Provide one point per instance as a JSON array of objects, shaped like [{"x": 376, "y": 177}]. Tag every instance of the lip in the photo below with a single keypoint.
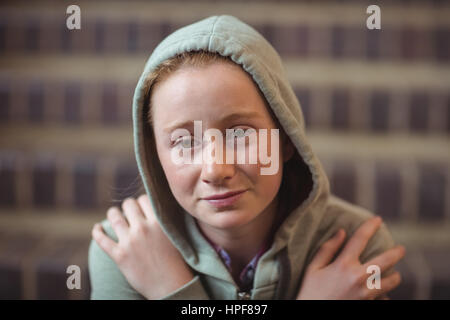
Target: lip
[
  {"x": 225, "y": 199},
  {"x": 223, "y": 195}
]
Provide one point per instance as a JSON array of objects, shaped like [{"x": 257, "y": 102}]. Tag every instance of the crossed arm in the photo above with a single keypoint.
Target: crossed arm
[{"x": 148, "y": 262}]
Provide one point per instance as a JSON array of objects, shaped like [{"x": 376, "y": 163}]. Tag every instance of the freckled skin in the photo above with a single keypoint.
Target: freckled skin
[{"x": 208, "y": 94}]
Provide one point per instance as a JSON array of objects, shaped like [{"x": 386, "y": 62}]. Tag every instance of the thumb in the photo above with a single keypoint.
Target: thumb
[{"x": 327, "y": 251}]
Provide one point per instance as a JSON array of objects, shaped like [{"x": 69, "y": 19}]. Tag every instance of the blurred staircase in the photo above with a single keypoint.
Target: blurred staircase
[{"x": 376, "y": 104}]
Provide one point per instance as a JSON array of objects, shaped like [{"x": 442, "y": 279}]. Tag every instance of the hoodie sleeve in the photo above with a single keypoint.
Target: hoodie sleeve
[
  {"x": 108, "y": 282},
  {"x": 379, "y": 243},
  {"x": 193, "y": 290},
  {"x": 350, "y": 217}
]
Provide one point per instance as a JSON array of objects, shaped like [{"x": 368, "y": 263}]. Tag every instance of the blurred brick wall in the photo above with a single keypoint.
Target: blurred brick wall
[{"x": 376, "y": 104}]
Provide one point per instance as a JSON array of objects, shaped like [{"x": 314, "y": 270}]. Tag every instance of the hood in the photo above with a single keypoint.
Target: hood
[{"x": 230, "y": 37}]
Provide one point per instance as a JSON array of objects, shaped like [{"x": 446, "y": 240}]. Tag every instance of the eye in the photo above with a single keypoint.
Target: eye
[
  {"x": 239, "y": 133},
  {"x": 186, "y": 142}
]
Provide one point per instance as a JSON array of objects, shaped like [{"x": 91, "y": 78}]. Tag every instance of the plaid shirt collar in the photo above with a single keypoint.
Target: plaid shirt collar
[{"x": 246, "y": 276}]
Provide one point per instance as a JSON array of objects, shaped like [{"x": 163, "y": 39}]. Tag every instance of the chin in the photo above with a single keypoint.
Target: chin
[{"x": 229, "y": 219}]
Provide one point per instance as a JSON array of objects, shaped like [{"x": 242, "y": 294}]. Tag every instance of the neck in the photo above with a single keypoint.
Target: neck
[{"x": 243, "y": 242}]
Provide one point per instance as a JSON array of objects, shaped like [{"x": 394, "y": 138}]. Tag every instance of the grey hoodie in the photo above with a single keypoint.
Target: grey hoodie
[{"x": 314, "y": 216}]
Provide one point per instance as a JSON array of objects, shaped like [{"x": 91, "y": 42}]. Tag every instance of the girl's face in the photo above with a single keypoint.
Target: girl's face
[{"x": 221, "y": 96}]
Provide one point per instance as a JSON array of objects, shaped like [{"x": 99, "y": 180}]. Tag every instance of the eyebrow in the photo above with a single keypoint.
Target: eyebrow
[{"x": 227, "y": 118}]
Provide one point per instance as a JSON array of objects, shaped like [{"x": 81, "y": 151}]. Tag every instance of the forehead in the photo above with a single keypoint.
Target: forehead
[{"x": 211, "y": 92}]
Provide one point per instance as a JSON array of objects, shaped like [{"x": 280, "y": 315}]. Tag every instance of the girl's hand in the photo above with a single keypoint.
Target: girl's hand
[
  {"x": 144, "y": 254},
  {"x": 346, "y": 278}
]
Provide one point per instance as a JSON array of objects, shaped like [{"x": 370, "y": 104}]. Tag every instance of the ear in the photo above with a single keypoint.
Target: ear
[{"x": 288, "y": 147}]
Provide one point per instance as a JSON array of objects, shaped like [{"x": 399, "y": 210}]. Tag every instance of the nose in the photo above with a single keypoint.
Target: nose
[{"x": 217, "y": 173}]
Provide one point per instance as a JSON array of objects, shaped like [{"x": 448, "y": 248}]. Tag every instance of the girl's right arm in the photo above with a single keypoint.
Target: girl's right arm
[{"x": 130, "y": 257}]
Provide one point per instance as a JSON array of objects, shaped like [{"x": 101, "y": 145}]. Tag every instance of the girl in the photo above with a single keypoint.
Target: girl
[{"x": 224, "y": 229}]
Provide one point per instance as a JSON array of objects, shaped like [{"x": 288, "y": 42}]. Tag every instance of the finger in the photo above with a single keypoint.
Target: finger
[
  {"x": 387, "y": 259},
  {"x": 358, "y": 241},
  {"x": 146, "y": 206},
  {"x": 327, "y": 251},
  {"x": 133, "y": 212},
  {"x": 104, "y": 242},
  {"x": 387, "y": 284},
  {"x": 118, "y": 222}
]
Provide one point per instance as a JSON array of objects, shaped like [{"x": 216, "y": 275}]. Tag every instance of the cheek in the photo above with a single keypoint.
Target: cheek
[
  {"x": 268, "y": 171},
  {"x": 265, "y": 186},
  {"x": 269, "y": 184},
  {"x": 181, "y": 178}
]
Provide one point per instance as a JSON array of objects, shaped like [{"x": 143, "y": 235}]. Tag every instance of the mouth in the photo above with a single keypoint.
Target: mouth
[{"x": 225, "y": 199}]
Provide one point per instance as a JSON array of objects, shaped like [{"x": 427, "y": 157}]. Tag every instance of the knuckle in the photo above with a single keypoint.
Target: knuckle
[
  {"x": 366, "y": 233},
  {"x": 397, "y": 279},
  {"x": 357, "y": 278},
  {"x": 117, "y": 222},
  {"x": 133, "y": 239},
  {"x": 142, "y": 229},
  {"x": 343, "y": 264},
  {"x": 389, "y": 259},
  {"x": 120, "y": 255}
]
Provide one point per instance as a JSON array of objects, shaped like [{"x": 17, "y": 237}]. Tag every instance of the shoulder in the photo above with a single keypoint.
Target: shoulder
[
  {"x": 107, "y": 281},
  {"x": 342, "y": 214}
]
